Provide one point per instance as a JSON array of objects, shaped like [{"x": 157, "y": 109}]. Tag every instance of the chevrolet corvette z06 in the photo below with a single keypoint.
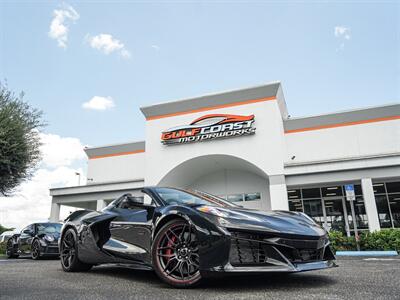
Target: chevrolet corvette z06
[{"x": 183, "y": 235}]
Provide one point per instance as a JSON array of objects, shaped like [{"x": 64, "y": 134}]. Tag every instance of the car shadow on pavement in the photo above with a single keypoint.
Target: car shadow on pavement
[
  {"x": 272, "y": 281},
  {"x": 237, "y": 282}
]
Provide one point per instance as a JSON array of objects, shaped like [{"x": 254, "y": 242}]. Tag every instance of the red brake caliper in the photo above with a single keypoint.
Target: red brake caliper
[{"x": 170, "y": 245}]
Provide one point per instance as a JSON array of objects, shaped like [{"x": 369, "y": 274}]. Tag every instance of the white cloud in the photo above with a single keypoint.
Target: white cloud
[
  {"x": 53, "y": 150},
  {"x": 343, "y": 34},
  {"x": 107, "y": 44},
  {"x": 99, "y": 103},
  {"x": 156, "y": 47},
  {"x": 59, "y": 25},
  {"x": 32, "y": 202}
]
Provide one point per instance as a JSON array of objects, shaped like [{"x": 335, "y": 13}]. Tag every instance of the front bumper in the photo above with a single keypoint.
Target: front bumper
[
  {"x": 266, "y": 252},
  {"x": 289, "y": 268},
  {"x": 49, "y": 249}
]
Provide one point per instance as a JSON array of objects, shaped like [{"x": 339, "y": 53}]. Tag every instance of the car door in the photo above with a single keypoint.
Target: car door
[
  {"x": 133, "y": 226},
  {"x": 25, "y": 239}
]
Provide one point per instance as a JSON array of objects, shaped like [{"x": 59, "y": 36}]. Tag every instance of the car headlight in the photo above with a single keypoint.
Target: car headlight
[
  {"x": 49, "y": 238},
  {"x": 212, "y": 211}
]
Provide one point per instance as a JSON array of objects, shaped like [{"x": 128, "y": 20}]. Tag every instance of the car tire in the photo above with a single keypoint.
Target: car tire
[
  {"x": 35, "y": 250},
  {"x": 175, "y": 254},
  {"x": 10, "y": 251},
  {"x": 69, "y": 253}
]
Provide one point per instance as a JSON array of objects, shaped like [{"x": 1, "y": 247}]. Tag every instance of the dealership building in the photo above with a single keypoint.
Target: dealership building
[{"x": 242, "y": 145}]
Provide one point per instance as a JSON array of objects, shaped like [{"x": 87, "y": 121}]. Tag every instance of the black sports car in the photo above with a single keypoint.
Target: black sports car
[
  {"x": 183, "y": 235},
  {"x": 36, "y": 240}
]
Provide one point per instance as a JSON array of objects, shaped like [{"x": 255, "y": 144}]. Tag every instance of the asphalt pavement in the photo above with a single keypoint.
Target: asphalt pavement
[{"x": 355, "y": 278}]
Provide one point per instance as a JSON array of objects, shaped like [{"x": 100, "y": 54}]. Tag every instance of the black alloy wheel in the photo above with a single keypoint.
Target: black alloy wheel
[
  {"x": 69, "y": 253},
  {"x": 35, "y": 250},
  {"x": 176, "y": 254},
  {"x": 10, "y": 249}
]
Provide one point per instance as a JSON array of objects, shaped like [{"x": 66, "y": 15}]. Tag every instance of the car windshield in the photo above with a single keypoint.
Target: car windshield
[
  {"x": 190, "y": 198},
  {"x": 48, "y": 228}
]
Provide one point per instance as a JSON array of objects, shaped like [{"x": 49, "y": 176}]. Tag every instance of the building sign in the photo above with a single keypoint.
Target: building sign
[
  {"x": 350, "y": 194},
  {"x": 209, "y": 127}
]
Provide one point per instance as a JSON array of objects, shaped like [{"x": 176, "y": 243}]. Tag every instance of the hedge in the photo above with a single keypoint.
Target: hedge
[
  {"x": 386, "y": 239},
  {"x": 2, "y": 248}
]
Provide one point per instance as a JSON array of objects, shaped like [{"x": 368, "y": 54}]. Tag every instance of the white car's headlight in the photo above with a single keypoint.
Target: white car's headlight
[{"x": 49, "y": 238}]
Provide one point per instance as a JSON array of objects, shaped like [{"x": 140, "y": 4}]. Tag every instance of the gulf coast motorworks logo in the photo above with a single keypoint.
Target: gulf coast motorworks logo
[{"x": 209, "y": 127}]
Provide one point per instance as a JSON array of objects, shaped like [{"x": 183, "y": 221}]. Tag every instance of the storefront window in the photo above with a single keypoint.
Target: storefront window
[
  {"x": 235, "y": 198},
  {"x": 311, "y": 193},
  {"x": 295, "y": 205},
  {"x": 387, "y": 197},
  {"x": 394, "y": 202},
  {"x": 393, "y": 187},
  {"x": 329, "y": 208},
  {"x": 313, "y": 208},
  {"x": 242, "y": 197},
  {"x": 379, "y": 188},
  {"x": 383, "y": 211},
  {"x": 331, "y": 191},
  {"x": 294, "y": 194},
  {"x": 335, "y": 215},
  {"x": 359, "y": 211},
  {"x": 252, "y": 197}
]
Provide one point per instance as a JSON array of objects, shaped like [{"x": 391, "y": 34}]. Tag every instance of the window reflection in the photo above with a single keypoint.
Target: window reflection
[
  {"x": 387, "y": 197},
  {"x": 313, "y": 208},
  {"x": 359, "y": 211},
  {"x": 335, "y": 215},
  {"x": 394, "y": 202}
]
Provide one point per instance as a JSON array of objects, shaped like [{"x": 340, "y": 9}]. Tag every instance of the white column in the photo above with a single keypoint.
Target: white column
[
  {"x": 100, "y": 204},
  {"x": 370, "y": 204},
  {"x": 55, "y": 212},
  {"x": 278, "y": 192}
]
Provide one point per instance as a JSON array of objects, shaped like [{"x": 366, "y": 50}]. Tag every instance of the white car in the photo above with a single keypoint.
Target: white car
[{"x": 5, "y": 236}]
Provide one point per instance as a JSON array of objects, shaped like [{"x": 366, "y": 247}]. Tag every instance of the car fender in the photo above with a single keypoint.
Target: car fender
[{"x": 214, "y": 243}]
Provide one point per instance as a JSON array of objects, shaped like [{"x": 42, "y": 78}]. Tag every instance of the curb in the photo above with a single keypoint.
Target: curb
[{"x": 366, "y": 253}]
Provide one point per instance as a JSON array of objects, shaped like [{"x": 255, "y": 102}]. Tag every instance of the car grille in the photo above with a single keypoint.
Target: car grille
[
  {"x": 52, "y": 250},
  {"x": 251, "y": 249}
]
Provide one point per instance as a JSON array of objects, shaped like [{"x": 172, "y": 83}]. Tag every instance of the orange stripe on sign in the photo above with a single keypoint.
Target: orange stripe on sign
[
  {"x": 117, "y": 154},
  {"x": 343, "y": 124},
  {"x": 211, "y": 108}
]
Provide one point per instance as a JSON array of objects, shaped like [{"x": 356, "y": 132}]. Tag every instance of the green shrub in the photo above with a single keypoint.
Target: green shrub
[
  {"x": 340, "y": 242},
  {"x": 2, "y": 248},
  {"x": 386, "y": 239}
]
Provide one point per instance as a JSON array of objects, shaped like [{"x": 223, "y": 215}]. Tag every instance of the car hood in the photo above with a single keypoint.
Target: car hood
[{"x": 278, "y": 222}]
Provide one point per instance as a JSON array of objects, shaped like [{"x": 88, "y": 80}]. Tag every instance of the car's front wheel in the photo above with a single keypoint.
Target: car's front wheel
[
  {"x": 69, "y": 253},
  {"x": 175, "y": 254},
  {"x": 35, "y": 250},
  {"x": 10, "y": 251}
]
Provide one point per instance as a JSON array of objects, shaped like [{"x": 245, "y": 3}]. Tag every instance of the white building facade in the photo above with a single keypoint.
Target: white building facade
[{"x": 243, "y": 146}]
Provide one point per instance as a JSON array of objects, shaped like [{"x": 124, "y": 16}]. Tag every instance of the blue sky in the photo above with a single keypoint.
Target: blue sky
[{"x": 183, "y": 49}]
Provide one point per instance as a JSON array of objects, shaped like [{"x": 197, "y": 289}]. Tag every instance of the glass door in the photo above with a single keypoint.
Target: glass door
[
  {"x": 313, "y": 208},
  {"x": 336, "y": 215}
]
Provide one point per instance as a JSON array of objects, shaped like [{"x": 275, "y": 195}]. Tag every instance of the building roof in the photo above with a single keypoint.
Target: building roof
[
  {"x": 269, "y": 91},
  {"x": 343, "y": 118},
  {"x": 116, "y": 149}
]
